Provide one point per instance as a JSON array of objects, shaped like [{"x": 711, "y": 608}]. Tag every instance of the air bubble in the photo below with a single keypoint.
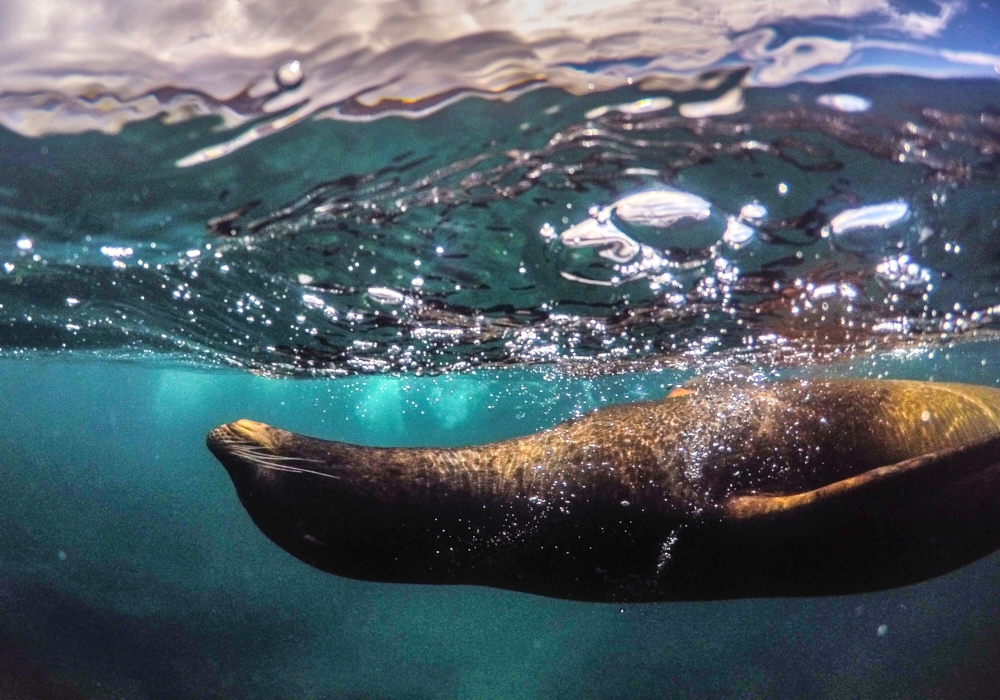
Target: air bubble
[{"x": 289, "y": 75}]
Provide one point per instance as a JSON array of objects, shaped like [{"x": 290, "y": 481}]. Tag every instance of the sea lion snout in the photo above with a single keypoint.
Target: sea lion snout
[
  {"x": 247, "y": 447},
  {"x": 242, "y": 431},
  {"x": 241, "y": 442}
]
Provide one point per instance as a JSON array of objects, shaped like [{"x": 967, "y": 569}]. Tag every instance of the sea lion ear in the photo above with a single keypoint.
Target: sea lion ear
[{"x": 910, "y": 478}]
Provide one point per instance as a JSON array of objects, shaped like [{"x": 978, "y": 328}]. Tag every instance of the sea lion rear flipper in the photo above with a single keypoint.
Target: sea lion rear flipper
[{"x": 907, "y": 479}]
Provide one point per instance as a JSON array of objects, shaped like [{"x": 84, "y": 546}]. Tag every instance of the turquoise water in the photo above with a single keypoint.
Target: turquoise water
[
  {"x": 415, "y": 224},
  {"x": 131, "y": 571},
  {"x": 550, "y": 229}
]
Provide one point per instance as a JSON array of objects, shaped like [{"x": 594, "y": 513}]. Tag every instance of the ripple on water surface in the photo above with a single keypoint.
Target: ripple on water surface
[{"x": 601, "y": 215}]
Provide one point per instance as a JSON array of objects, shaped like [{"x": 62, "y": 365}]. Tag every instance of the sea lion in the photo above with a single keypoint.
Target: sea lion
[{"x": 722, "y": 490}]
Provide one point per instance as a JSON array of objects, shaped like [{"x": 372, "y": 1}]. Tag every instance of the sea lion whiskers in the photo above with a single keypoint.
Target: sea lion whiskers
[
  {"x": 277, "y": 462},
  {"x": 260, "y": 456}
]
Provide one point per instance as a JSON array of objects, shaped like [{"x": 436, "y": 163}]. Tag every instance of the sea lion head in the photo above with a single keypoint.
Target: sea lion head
[
  {"x": 342, "y": 508},
  {"x": 259, "y": 459}
]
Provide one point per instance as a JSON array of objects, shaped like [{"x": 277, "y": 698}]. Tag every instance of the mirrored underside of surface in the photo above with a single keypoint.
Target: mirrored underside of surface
[{"x": 621, "y": 229}]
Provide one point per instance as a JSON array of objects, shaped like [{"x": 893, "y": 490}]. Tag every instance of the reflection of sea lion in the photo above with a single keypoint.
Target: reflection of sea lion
[{"x": 790, "y": 488}]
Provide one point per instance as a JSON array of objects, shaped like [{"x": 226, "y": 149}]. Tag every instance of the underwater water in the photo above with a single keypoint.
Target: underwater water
[
  {"x": 418, "y": 224},
  {"x": 131, "y": 570}
]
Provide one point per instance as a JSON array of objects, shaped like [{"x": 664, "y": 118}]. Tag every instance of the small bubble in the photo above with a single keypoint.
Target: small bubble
[
  {"x": 782, "y": 188},
  {"x": 925, "y": 416},
  {"x": 62, "y": 555},
  {"x": 883, "y": 630},
  {"x": 289, "y": 75},
  {"x": 24, "y": 244}
]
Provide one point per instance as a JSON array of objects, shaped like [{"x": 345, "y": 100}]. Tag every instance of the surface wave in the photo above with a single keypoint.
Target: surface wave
[
  {"x": 99, "y": 65},
  {"x": 600, "y": 232}
]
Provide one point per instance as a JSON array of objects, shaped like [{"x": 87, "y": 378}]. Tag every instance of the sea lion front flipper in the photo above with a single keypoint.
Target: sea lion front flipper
[{"x": 908, "y": 479}]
